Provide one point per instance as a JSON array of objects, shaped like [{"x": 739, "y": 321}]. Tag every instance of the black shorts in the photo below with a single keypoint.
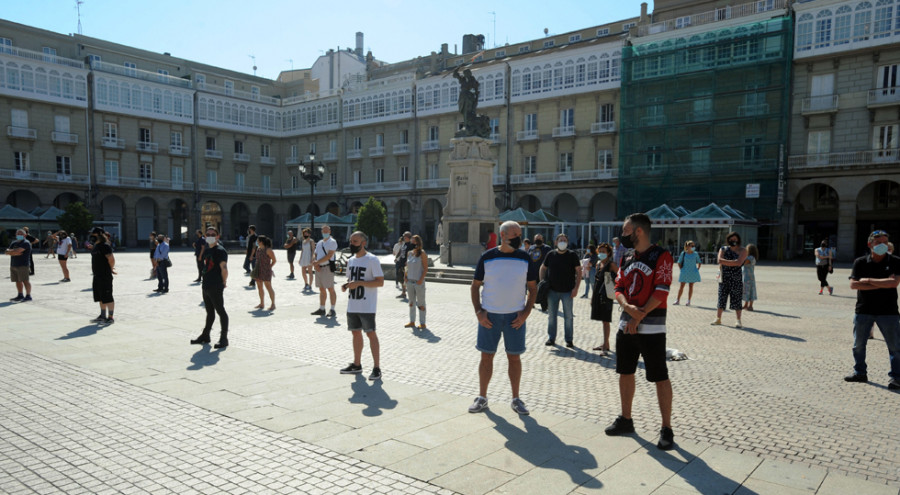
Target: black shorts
[
  {"x": 103, "y": 290},
  {"x": 62, "y": 257},
  {"x": 291, "y": 254},
  {"x": 361, "y": 321},
  {"x": 651, "y": 346}
]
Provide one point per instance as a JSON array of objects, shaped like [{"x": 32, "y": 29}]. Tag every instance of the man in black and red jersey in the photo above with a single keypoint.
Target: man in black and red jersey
[{"x": 642, "y": 287}]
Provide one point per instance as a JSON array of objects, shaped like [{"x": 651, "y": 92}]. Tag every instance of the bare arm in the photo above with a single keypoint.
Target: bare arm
[
  {"x": 875, "y": 283},
  {"x": 224, "y": 267},
  {"x": 424, "y": 267},
  {"x": 271, "y": 254},
  {"x": 480, "y": 312},
  {"x": 112, "y": 262},
  {"x": 378, "y": 282}
]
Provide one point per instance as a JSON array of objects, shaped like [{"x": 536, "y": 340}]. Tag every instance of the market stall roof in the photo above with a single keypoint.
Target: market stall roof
[
  {"x": 681, "y": 211},
  {"x": 304, "y": 218},
  {"x": 547, "y": 217},
  {"x": 519, "y": 215},
  {"x": 713, "y": 214},
  {"x": 10, "y": 212},
  {"x": 50, "y": 213},
  {"x": 349, "y": 219},
  {"x": 663, "y": 214},
  {"x": 327, "y": 218}
]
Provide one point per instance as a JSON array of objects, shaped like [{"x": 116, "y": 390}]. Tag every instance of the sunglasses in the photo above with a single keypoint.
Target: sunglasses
[{"x": 879, "y": 233}]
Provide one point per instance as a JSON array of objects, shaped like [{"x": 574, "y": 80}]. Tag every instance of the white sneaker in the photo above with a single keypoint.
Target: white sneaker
[
  {"x": 738, "y": 324},
  {"x": 479, "y": 405},
  {"x": 676, "y": 303}
]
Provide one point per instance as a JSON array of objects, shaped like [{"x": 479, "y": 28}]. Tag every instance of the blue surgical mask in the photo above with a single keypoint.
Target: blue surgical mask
[
  {"x": 880, "y": 249},
  {"x": 326, "y": 236},
  {"x": 20, "y": 237},
  {"x": 601, "y": 256}
]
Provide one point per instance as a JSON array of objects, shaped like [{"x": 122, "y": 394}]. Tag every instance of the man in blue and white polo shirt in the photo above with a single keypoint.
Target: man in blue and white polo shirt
[{"x": 502, "y": 307}]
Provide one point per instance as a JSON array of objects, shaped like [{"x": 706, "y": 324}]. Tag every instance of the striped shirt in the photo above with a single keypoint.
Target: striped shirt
[
  {"x": 505, "y": 277},
  {"x": 642, "y": 276}
]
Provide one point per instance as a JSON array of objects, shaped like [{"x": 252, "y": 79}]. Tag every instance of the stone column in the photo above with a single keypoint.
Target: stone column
[
  {"x": 129, "y": 226},
  {"x": 846, "y": 229}
]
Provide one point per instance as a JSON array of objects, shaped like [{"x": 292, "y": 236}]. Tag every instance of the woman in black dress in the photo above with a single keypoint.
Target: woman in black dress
[{"x": 602, "y": 300}]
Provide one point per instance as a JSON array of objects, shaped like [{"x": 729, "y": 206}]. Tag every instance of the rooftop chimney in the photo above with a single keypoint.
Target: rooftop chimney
[
  {"x": 643, "y": 12},
  {"x": 359, "y": 44}
]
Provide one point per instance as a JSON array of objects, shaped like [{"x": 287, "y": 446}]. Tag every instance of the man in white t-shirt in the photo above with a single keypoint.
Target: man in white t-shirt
[
  {"x": 364, "y": 277},
  {"x": 322, "y": 258}
]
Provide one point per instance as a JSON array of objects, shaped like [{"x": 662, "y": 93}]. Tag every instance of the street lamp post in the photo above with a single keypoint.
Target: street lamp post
[{"x": 312, "y": 172}]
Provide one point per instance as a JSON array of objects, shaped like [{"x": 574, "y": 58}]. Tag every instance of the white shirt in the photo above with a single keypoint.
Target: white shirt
[
  {"x": 322, "y": 248},
  {"x": 365, "y": 268},
  {"x": 63, "y": 246}
]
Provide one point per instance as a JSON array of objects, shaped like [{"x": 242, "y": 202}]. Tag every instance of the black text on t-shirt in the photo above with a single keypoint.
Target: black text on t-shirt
[{"x": 357, "y": 273}]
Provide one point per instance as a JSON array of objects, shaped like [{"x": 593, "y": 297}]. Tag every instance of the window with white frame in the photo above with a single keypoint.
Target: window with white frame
[
  {"x": 254, "y": 92},
  {"x": 264, "y": 150},
  {"x": 499, "y": 53},
  {"x": 267, "y": 183},
  {"x": 862, "y": 18},
  {"x": 566, "y": 162},
  {"x": 49, "y": 53},
  {"x": 495, "y": 128},
  {"x": 332, "y": 146},
  {"x": 63, "y": 165},
  {"x": 177, "y": 176},
  {"x": 404, "y": 174},
  {"x": 682, "y": 22},
  {"x": 332, "y": 179},
  {"x": 379, "y": 175},
  {"x": 110, "y": 130},
  {"x": 379, "y": 139},
  {"x": 603, "y": 32},
  {"x": 531, "y": 122},
  {"x": 575, "y": 37},
  {"x": 357, "y": 176},
  {"x": 295, "y": 153},
  {"x": 210, "y": 143},
  {"x": 433, "y": 133},
  {"x": 548, "y": 43},
  {"x": 567, "y": 117},
  {"x": 238, "y": 147},
  {"x": 604, "y": 160},
  {"x": 884, "y": 138},
  {"x": 627, "y": 26},
  {"x": 239, "y": 180},
  {"x": 404, "y": 136},
  {"x": 818, "y": 142},
  {"x": 20, "y": 160},
  {"x": 357, "y": 143},
  {"x": 229, "y": 87},
  {"x": 295, "y": 182},
  {"x": 144, "y": 134},
  {"x": 608, "y": 112},
  {"x": 19, "y": 118},
  {"x": 200, "y": 79},
  {"x": 94, "y": 59},
  {"x": 529, "y": 166},
  {"x": 162, "y": 72},
  {"x": 129, "y": 68},
  {"x": 752, "y": 149},
  {"x": 822, "y": 36},
  {"x": 524, "y": 49},
  {"x": 145, "y": 172},
  {"x": 887, "y": 78},
  {"x": 843, "y": 25},
  {"x": 61, "y": 123},
  {"x": 654, "y": 157},
  {"x": 433, "y": 171},
  {"x": 176, "y": 139},
  {"x": 212, "y": 177},
  {"x": 111, "y": 169},
  {"x": 5, "y": 45}
]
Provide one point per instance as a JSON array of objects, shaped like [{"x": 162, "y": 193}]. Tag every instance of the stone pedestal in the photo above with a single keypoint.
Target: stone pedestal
[{"x": 470, "y": 211}]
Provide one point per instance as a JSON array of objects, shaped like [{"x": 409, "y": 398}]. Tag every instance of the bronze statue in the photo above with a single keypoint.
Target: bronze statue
[{"x": 473, "y": 124}]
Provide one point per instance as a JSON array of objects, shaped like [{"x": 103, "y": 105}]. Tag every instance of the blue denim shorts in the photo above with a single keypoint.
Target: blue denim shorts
[{"x": 513, "y": 338}]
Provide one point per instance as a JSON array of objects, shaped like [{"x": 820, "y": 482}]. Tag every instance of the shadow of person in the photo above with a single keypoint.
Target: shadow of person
[
  {"x": 608, "y": 361},
  {"x": 85, "y": 331},
  {"x": 260, "y": 313},
  {"x": 206, "y": 356},
  {"x": 426, "y": 335},
  {"x": 327, "y": 321},
  {"x": 697, "y": 473},
  {"x": 780, "y": 315},
  {"x": 764, "y": 333},
  {"x": 539, "y": 446},
  {"x": 6, "y": 303},
  {"x": 372, "y": 395}
]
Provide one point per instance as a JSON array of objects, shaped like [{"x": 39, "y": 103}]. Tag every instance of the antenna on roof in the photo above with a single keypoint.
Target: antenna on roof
[
  {"x": 253, "y": 57},
  {"x": 494, "y": 38},
  {"x": 292, "y": 63},
  {"x": 78, "y": 8}
]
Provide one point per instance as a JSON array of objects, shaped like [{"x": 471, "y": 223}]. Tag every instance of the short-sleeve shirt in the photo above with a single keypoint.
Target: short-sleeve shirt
[
  {"x": 536, "y": 255},
  {"x": 561, "y": 270},
  {"x": 198, "y": 245},
  {"x": 162, "y": 251},
  {"x": 505, "y": 277},
  {"x": 824, "y": 252},
  {"x": 292, "y": 243},
  {"x": 212, "y": 266},
  {"x": 363, "y": 268},
  {"x": 879, "y": 302},
  {"x": 99, "y": 262},
  {"x": 63, "y": 246},
  {"x": 405, "y": 248},
  {"x": 251, "y": 243},
  {"x": 642, "y": 276},
  {"x": 322, "y": 248},
  {"x": 22, "y": 259}
]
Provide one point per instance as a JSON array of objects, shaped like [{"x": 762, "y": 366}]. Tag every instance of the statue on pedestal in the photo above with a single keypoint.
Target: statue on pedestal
[{"x": 473, "y": 124}]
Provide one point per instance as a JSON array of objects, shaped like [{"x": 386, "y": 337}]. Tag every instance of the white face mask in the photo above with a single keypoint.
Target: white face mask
[
  {"x": 210, "y": 240},
  {"x": 562, "y": 245}
]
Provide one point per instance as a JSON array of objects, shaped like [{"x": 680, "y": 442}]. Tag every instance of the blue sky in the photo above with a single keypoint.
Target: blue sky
[{"x": 225, "y": 33}]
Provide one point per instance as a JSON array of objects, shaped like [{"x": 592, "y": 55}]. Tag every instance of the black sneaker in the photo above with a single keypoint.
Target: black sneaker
[
  {"x": 550, "y": 342},
  {"x": 290, "y": 277},
  {"x": 109, "y": 320},
  {"x": 221, "y": 344},
  {"x": 318, "y": 312},
  {"x": 18, "y": 298},
  {"x": 99, "y": 319},
  {"x": 354, "y": 369},
  {"x": 666, "y": 439},
  {"x": 570, "y": 344},
  {"x": 620, "y": 426},
  {"x": 332, "y": 314},
  {"x": 376, "y": 374},
  {"x": 894, "y": 384},
  {"x": 202, "y": 339},
  {"x": 856, "y": 378},
  {"x": 27, "y": 298}
]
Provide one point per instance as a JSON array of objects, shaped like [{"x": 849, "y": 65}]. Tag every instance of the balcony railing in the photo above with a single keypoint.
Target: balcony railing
[
  {"x": 722, "y": 14},
  {"x": 231, "y": 188},
  {"x": 527, "y": 135},
  {"x": 179, "y": 150},
  {"x": 432, "y": 183},
  {"x": 64, "y": 137},
  {"x": 847, "y": 159},
  {"x": 431, "y": 145},
  {"x": 378, "y": 186},
  {"x": 113, "y": 143},
  {"x": 496, "y": 138},
  {"x": 652, "y": 120},
  {"x": 376, "y": 151},
  {"x": 603, "y": 127},
  {"x": 751, "y": 110},
  {"x": 143, "y": 183},
  {"x": 244, "y": 95},
  {"x": 43, "y": 57},
  {"x": 819, "y": 104},
  {"x": 267, "y": 160},
  {"x": 292, "y": 160},
  {"x": 884, "y": 97},
  {"x": 354, "y": 154},
  {"x": 564, "y": 131},
  {"x": 6, "y": 173},
  {"x": 241, "y": 157},
  {"x": 700, "y": 116},
  {"x": 401, "y": 149},
  {"x": 578, "y": 175},
  {"x": 140, "y": 74},
  {"x": 21, "y": 132},
  {"x": 330, "y": 156},
  {"x": 147, "y": 147},
  {"x": 213, "y": 154}
]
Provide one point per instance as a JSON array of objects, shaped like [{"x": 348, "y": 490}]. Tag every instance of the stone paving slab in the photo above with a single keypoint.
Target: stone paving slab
[{"x": 765, "y": 402}]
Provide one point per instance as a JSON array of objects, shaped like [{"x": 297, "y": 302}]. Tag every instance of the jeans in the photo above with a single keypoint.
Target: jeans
[
  {"x": 214, "y": 302},
  {"x": 589, "y": 281},
  {"x": 553, "y": 299},
  {"x": 890, "y": 329},
  {"x": 162, "y": 275}
]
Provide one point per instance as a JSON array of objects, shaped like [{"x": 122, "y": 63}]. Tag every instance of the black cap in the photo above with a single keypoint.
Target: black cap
[{"x": 97, "y": 230}]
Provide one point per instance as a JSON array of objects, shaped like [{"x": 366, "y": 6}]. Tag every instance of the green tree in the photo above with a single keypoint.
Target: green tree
[
  {"x": 372, "y": 219},
  {"x": 77, "y": 219}
]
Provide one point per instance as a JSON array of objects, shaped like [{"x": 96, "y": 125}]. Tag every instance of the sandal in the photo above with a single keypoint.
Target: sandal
[
  {"x": 259, "y": 307},
  {"x": 272, "y": 308},
  {"x": 411, "y": 324}
]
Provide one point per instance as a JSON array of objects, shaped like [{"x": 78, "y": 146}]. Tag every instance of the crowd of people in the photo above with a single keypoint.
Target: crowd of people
[{"x": 509, "y": 280}]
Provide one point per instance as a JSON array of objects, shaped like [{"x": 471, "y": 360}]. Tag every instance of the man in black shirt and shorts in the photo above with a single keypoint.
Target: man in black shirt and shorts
[
  {"x": 103, "y": 264},
  {"x": 215, "y": 277}
]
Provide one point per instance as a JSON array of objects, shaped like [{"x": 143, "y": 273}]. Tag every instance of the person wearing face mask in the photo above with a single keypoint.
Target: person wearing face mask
[
  {"x": 307, "y": 247},
  {"x": 19, "y": 252},
  {"x": 824, "y": 266},
  {"x": 563, "y": 270},
  {"x": 689, "y": 266},
  {"x": 291, "y": 245},
  {"x": 161, "y": 258},
  {"x": 364, "y": 277},
  {"x": 589, "y": 269},
  {"x": 324, "y": 262},
  {"x": 604, "y": 292},
  {"x": 414, "y": 278},
  {"x": 199, "y": 247},
  {"x": 538, "y": 252},
  {"x": 731, "y": 280},
  {"x": 103, "y": 265},
  {"x": 250, "y": 259},
  {"x": 875, "y": 277},
  {"x": 215, "y": 278},
  {"x": 265, "y": 260},
  {"x": 503, "y": 293},
  {"x": 618, "y": 251}
]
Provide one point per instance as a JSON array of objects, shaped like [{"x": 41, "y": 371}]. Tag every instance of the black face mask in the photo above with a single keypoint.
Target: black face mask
[
  {"x": 539, "y": 242},
  {"x": 354, "y": 249},
  {"x": 515, "y": 242},
  {"x": 93, "y": 239},
  {"x": 732, "y": 243},
  {"x": 627, "y": 241}
]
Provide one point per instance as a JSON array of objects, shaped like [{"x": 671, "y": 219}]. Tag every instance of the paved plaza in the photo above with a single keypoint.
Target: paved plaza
[{"x": 133, "y": 408}]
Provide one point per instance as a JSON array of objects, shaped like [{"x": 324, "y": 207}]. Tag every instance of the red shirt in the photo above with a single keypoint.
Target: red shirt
[
  {"x": 492, "y": 241},
  {"x": 645, "y": 275}
]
